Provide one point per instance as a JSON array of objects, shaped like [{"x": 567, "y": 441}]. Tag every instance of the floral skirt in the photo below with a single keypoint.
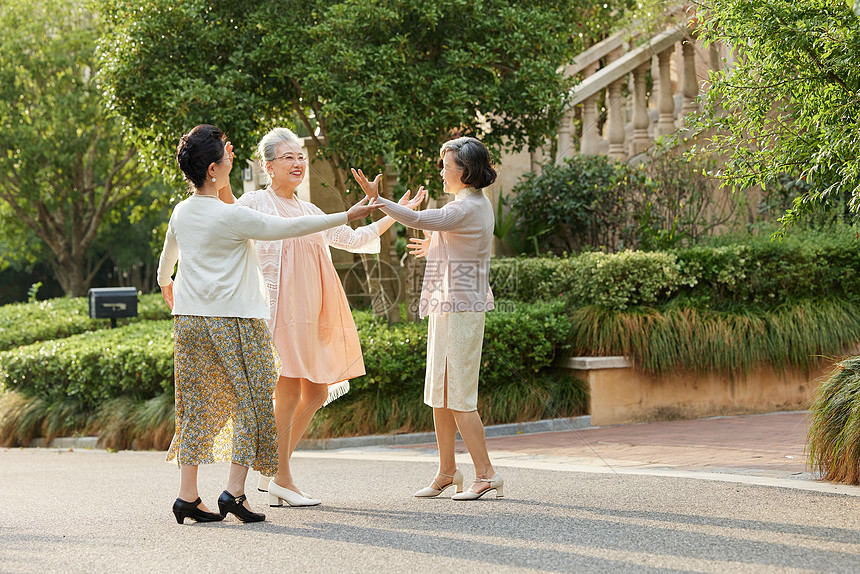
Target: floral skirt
[{"x": 225, "y": 369}]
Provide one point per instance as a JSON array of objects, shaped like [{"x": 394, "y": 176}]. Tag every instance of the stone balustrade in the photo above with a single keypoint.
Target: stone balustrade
[{"x": 617, "y": 72}]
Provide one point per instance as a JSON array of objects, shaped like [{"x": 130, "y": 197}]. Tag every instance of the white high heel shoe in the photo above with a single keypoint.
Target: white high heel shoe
[
  {"x": 430, "y": 491},
  {"x": 497, "y": 483},
  {"x": 278, "y": 495},
  {"x": 263, "y": 485}
]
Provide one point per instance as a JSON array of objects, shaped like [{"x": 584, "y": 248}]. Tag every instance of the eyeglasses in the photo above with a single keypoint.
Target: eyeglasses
[{"x": 292, "y": 158}]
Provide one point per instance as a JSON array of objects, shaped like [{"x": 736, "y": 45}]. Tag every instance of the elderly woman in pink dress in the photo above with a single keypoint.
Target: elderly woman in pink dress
[
  {"x": 310, "y": 318},
  {"x": 455, "y": 294}
]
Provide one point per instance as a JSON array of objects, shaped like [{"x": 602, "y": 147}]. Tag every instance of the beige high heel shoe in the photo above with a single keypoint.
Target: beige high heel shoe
[
  {"x": 430, "y": 491},
  {"x": 497, "y": 483}
]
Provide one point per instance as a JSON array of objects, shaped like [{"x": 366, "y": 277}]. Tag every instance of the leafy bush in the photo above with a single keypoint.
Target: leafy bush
[
  {"x": 135, "y": 361},
  {"x": 833, "y": 441},
  {"x": 570, "y": 206},
  {"x": 25, "y": 323},
  {"x": 594, "y": 203},
  {"x": 759, "y": 274},
  {"x": 132, "y": 366}
]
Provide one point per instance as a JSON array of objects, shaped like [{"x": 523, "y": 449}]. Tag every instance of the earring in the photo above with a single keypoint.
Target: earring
[{"x": 214, "y": 180}]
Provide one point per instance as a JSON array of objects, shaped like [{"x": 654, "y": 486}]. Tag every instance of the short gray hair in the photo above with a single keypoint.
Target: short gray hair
[{"x": 268, "y": 146}]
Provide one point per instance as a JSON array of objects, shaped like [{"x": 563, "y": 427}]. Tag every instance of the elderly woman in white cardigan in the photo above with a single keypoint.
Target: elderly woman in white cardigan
[
  {"x": 310, "y": 318},
  {"x": 224, "y": 357},
  {"x": 455, "y": 294}
]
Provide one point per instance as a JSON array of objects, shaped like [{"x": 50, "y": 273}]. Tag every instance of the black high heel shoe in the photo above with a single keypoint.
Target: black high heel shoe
[
  {"x": 183, "y": 510},
  {"x": 229, "y": 503}
]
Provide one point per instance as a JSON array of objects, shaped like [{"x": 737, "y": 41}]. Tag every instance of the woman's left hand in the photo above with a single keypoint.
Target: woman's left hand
[{"x": 415, "y": 201}]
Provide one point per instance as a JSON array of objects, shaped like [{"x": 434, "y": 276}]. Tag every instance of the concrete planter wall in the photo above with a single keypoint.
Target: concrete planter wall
[{"x": 618, "y": 393}]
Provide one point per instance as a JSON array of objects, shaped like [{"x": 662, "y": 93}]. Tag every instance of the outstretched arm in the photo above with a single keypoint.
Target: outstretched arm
[{"x": 250, "y": 224}]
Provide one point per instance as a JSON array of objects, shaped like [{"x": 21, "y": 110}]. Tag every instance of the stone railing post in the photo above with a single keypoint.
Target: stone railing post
[
  {"x": 691, "y": 85},
  {"x": 665, "y": 99},
  {"x": 615, "y": 114},
  {"x": 641, "y": 121},
  {"x": 565, "y": 141},
  {"x": 589, "y": 143}
]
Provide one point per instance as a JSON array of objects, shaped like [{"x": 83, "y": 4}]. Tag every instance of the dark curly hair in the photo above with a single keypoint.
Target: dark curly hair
[
  {"x": 473, "y": 158},
  {"x": 197, "y": 149}
]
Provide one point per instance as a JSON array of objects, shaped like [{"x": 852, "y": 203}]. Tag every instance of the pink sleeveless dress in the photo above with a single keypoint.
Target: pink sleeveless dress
[{"x": 313, "y": 330}]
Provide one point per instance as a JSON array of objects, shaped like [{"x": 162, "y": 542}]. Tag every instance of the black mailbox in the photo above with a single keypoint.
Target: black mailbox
[{"x": 113, "y": 302}]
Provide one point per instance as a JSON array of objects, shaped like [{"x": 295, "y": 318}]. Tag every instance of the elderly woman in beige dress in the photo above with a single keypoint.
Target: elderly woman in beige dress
[
  {"x": 455, "y": 294},
  {"x": 310, "y": 318}
]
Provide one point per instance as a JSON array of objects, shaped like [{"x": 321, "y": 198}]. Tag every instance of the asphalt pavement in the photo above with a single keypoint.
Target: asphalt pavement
[{"x": 716, "y": 495}]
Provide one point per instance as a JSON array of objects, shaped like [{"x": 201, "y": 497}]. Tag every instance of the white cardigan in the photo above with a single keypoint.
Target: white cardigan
[
  {"x": 270, "y": 253},
  {"x": 219, "y": 273}
]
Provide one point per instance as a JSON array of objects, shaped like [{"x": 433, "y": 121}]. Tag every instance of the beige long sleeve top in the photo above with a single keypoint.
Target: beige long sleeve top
[
  {"x": 219, "y": 273},
  {"x": 456, "y": 278},
  {"x": 270, "y": 253}
]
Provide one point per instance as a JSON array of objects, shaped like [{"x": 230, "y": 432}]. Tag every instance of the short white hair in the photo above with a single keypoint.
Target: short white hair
[{"x": 268, "y": 147}]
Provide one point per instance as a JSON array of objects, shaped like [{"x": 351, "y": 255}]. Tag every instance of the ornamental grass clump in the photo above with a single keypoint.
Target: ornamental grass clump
[{"x": 833, "y": 442}]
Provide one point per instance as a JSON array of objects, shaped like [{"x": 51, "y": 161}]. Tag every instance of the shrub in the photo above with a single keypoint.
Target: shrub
[
  {"x": 116, "y": 382},
  {"x": 571, "y": 206},
  {"x": 800, "y": 335},
  {"x": 594, "y": 203},
  {"x": 25, "y": 323},
  {"x": 135, "y": 361},
  {"x": 833, "y": 441},
  {"x": 759, "y": 274}
]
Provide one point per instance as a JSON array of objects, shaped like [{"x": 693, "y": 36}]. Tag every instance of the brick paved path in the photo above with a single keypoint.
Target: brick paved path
[{"x": 768, "y": 443}]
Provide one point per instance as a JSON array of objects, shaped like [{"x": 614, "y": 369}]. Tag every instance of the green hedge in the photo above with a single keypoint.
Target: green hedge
[
  {"x": 757, "y": 274},
  {"x": 25, "y": 323},
  {"x": 135, "y": 362}
]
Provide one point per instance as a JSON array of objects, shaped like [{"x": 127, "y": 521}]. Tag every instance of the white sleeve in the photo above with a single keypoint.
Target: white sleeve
[
  {"x": 249, "y": 224},
  {"x": 362, "y": 240},
  {"x": 169, "y": 257}
]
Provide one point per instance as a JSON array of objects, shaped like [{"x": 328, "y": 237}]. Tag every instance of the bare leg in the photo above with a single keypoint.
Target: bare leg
[
  {"x": 472, "y": 431},
  {"x": 236, "y": 481},
  {"x": 313, "y": 397},
  {"x": 446, "y": 435},
  {"x": 188, "y": 485},
  {"x": 287, "y": 395}
]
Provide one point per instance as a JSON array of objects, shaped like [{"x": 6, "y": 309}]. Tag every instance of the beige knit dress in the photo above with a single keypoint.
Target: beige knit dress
[{"x": 455, "y": 294}]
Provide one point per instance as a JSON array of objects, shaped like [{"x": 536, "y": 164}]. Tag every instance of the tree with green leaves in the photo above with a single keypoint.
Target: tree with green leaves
[
  {"x": 64, "y": 162},
  {"x": 379, "y": 84},
  {"x": 788, "y": 102},
  {"x": 376, "y": 82}
]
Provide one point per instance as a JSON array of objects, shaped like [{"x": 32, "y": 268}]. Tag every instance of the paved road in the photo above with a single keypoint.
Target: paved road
[{"x": 94, "y": 511}]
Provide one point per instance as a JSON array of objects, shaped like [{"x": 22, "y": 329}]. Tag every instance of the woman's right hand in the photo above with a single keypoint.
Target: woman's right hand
[
  {"x": 167, "y": 293},
  {"x": 415, "y": 201},
  {"x": 362, "y": 209},
  {"x": 419, "y": 247},
  {"x": 370, "y": 188}
]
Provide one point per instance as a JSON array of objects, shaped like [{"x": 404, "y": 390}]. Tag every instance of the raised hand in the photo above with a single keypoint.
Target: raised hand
[
  {"x": 419, "y": 247},
  {"x": 370, "y": 188},
  {"x": 362, "y": 209},
  {"x": 415, "y": 201}
]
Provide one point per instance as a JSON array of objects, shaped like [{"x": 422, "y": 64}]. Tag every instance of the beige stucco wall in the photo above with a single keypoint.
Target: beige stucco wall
[{"x": 623, "y": 395}]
